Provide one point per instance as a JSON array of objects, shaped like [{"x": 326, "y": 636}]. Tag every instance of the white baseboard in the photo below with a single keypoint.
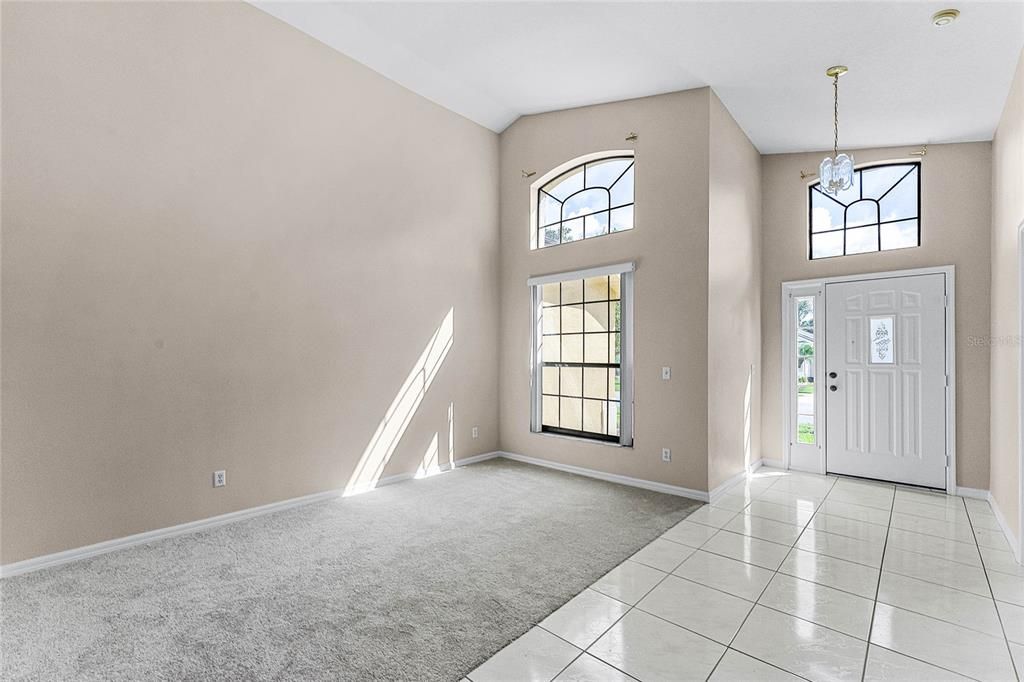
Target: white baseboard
[
  {"x": 1010, "y": 537},
  {"x": 70, "y": 555},
  {"x": 379, "y": 483},
  {"x": 974, "y": 493},
  {"x": 732, "y": 480},
  {"x": 67, "y": 556},
  {"x": 979, "y": 494},
  {"x": 476, "y": 458},
  {"x": 773, "y": 463},
  {"x": 698, "y": 495}
]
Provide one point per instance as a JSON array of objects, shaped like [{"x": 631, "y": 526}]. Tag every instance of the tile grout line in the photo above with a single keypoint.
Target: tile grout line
[
  {"x": 932, "y": 582},
  {"x": 566, "y": 666},
  {"x": 818, "y": 512},
  {"x": 556, "y": 636},
  {"x": 765, "y": 588},
  {"x": 928, "y": 663},
  {"x": 715, "y": 641},
  {"x": 901, "y": 549},
  {"x": 794, "y": 547},
  {"x": 941, "y": 620},
  {"x": 631, "y": 608},
  {"x": 583, "y": 651},
  {"x": 878, "y": 585},
  {"x": 791, "y": 547},
  {"x": 746, "y": 511},
  {"x": 752, "y": 603},
  {"x": 744, "y": 622},
  {"x": 991, "y": 596},
  {"x": 875, "y": 600},
  {"x": 756, "y": 603},
  {"x": 999, "y": 615},
  {"x": 918, "y": 578}
]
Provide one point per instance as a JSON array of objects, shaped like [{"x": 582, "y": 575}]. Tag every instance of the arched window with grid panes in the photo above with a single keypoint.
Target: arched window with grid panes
[
  {"x": 881, "y": 211},
  {"x": 590, "y": 199}
]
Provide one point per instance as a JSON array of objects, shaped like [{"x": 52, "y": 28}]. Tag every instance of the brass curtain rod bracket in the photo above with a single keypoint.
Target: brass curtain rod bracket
[
  {"x": 529, "y": 174},
  {"x": 922, "y": 152},
  {"x": 632, "y": 137}
]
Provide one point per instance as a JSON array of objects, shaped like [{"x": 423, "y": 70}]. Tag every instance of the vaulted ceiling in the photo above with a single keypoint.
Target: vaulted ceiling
[{"x": 492, "y": 62}]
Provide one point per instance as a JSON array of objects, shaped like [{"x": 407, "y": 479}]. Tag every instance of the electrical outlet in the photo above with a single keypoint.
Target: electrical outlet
[
  {"x": 666, "y": 455},
  {"x": 476, "y": 432},
  {"x": 220, "y": 479},
  {"x": 666, "y": 373}
]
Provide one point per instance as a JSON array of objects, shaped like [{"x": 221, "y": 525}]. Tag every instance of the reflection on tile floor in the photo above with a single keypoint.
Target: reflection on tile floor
[{"x": 790, "y": 575}]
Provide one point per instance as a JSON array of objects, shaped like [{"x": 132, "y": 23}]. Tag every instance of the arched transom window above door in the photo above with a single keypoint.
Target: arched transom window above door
[
  {"x": 881, "y": 211},
  {"x": 590, "y": 199}
]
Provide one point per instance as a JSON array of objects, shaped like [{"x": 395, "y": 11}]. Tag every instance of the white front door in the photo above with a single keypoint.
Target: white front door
[{"x": 885, "y": 379}]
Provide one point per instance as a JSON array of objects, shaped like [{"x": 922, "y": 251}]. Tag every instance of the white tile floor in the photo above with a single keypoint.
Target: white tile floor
[{"x": 791, "y": 576}]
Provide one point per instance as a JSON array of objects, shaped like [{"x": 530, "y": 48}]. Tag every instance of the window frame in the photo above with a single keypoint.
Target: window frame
[
  {"x": 815, "y": 185},
  {"x": 804, "y": 456},
  {"x": 537, "y": 188},
  {"x": 535, "y": 284}
]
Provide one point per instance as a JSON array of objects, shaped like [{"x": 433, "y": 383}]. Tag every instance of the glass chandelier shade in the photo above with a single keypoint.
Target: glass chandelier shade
[
  {"x": 836, "y": 171},
  {"x": 836, "y": 174}
]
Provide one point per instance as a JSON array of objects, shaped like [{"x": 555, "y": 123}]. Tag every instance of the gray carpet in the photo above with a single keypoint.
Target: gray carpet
[{"x": 422, "y": 580}]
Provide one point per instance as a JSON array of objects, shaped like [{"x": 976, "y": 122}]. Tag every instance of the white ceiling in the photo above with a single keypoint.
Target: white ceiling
[{"x": 909, "y": 82}]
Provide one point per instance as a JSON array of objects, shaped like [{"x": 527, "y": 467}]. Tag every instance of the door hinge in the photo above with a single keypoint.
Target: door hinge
[
  {"x": 947, "y": 461},
  {"x": 947, "y": 380}
]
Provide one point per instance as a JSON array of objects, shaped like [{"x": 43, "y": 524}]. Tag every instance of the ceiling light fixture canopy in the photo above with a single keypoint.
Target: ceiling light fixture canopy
[
  {"x": 836, "y": 172},
  {"x": 945, "y": 17}
]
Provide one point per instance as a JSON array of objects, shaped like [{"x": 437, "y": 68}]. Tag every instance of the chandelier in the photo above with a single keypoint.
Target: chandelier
[{"x": 836, "y": 172}]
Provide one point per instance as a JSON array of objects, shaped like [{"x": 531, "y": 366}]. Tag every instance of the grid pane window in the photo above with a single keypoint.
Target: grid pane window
[
  {"x": 880, "y": 212},
  {"x": 581, "y": 384},
  {"x": 805, "y": 374},
  {"x": 590, "y": 200}
]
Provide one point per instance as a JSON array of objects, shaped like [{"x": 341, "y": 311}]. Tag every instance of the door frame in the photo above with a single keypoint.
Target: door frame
[
  {"x": 800, "y": 287},
  {"x": 1018, "y": 548},
  {"x": 814, "y": 463}
]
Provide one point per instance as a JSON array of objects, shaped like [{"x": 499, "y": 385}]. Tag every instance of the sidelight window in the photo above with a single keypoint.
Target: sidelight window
[{"x": 806, "y": 374}]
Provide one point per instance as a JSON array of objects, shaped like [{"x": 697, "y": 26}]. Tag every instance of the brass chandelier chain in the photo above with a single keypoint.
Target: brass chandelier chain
[{"x": 835, "y": 115}]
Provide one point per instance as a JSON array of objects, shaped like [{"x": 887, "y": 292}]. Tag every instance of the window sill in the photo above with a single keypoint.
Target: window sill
[{"x": 581, "y": 439}]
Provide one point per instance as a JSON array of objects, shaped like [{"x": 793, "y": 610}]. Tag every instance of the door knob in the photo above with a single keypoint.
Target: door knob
[
  {"x": 832, "y": 375},
  {"x": 833, "y": 388}
]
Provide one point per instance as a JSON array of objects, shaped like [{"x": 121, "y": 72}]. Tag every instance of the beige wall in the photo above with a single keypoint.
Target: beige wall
[
  {"x": 734, "y": 299},
  {"x": 955, "y": 210},
  {"x": 670, "y": 247},
  {"x": 1007, "y": 214},
  {"x": 225, "y": 246}
]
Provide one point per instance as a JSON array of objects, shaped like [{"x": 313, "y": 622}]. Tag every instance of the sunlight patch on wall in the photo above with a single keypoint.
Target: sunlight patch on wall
[
  {"x": 746, "y": 419},
  {"x": 451, "y": 435},
  {"x": 429, "y": 465},
  {"x": 396, "y": 420}
]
